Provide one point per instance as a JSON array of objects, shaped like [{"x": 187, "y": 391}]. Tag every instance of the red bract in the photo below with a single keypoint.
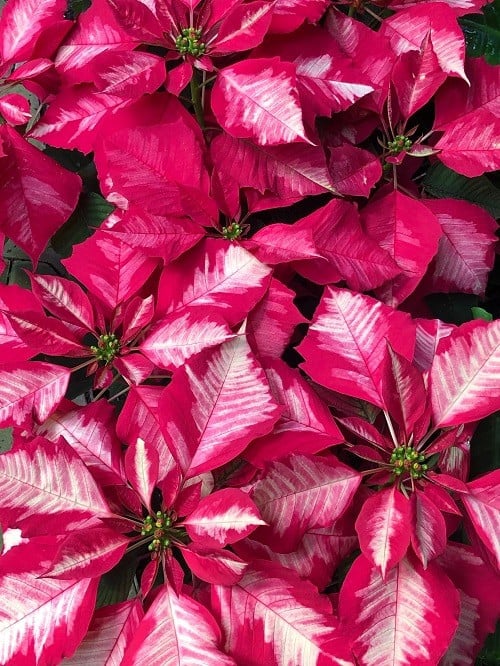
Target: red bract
[{"x": 228, "y": 377}]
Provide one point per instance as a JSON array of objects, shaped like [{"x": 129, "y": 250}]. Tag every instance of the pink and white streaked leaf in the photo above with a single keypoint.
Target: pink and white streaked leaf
[
  {"x": 428, "y": 528},
  {"x": 292, "y": 170},
  {"x": 354, "y": 171},
  {"x": 305, "y": 426},
  {"x": 381, "y": 615},
  {"x": 87, "y": 553},
  {"x": 174, "y": 339},
  {"x": 462, "y": 266},
  {"x": 223, "y": 517},
  {"x": 320, "y": 552},
  {"x": 64, "y": 299},
  {"x": 38, "y": 195},
  {"x": 30, "y": 390},
  {"x": 128, "y": 73},
  {"x": 271, "y": 323},
  {"x": 290, "y": 14},
  {"x": 22, "y": 23},
  {"x": 404, "y": 392},
  {"x": 89, "y": 430},
  {"x": 273, "y": 617},
  {"x": 142, "y": 469},
  {"x": 429, "y": 333},
  {"x": 74, "y": 117},
  {"x": 43, "y": 620},
  {"x": 478, "y": 586},
  {"x": 348, "y": 253},
  {"x": 282, "y": 243},
  {"x": 416, "y": 77},
  {"x": 140, "y": 418},
  {"x": 176, "y": 630},
  {"x": 244, "y": 27},
  {"x": 299, "y": 493},
  {"x": 407, "y": 29},
  {"x": 226, "y": 394},
  {"x": 111, "y": 630},
  {"x": 383, "y": 527},
  {"x": 482, "y": 504},
  {"x": 15, "y": 109},
  {"x": 217, "y": 567},
  {"x": 471, "y": 146},
  {"x": 96, "y": 32},
  {"x": 110, "y": 269},
  {"x": 46, "y": 486},
  {"x": 155, "y": 235},
  {"x": 218, "y": 274},
  {"x": 390, "y": 221},
  {"x": 258, "y": 99},
  {"x": 465, "y": 375},
  {"x": 346, "y": 343}
]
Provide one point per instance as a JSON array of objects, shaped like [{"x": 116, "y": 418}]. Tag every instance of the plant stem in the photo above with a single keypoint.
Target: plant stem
[{"x": 196, "y": 99}]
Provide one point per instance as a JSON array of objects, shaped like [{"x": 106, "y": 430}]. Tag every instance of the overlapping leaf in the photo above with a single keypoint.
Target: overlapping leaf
[
  {"x": 176, "y": 630},
  {"x": 229, "y": 402},
  {"x": 46, "y": 488},
  {"x": 346, "y": 344},
  {"x": 382, "y": 614},
  {"x": 464, "y": 375},
  {"x": 301, "y": 492},
  {"x": 284, "y": 620},
  {"x": 110, "y": 631}
]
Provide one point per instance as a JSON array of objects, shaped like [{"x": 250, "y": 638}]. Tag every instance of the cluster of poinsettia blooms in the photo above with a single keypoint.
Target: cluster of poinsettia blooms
[{"x": 251, "y": 505}]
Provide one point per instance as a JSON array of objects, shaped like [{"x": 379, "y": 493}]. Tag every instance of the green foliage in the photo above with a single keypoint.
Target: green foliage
[
  {"x": 91, "y": 210},
  {"x": 442, "y": 183},
  {"x": 76, "y": 7},
  {"x": 482, "y": 33},
  {"x": 118, "y": 584},
  {"x": 481, "y": 313}
]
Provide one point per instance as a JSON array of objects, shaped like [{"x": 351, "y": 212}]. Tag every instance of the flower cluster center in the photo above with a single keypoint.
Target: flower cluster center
[
  {"x": 189, "y": 42},
  {"x": 399, "y": 143},
  {"x": 406, "y": 460},
  {"x": 159, "y": 527},
  {"x": 232, "y": 231},
  {"x": 107, "y": 347}
]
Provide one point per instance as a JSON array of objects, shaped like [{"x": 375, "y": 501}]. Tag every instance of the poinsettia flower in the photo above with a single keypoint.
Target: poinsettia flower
[
  {"x": 196, "y": 31},
  {"x": 101, "y": 336},
  {"x": 159, "y": 516}
]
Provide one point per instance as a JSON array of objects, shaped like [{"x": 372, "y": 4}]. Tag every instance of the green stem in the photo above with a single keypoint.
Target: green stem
[
  {"x": 196, "y": 99},
  {"x": 352, "y": 11}
]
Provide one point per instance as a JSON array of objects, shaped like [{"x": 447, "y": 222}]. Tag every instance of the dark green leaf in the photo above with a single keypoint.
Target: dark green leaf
[
  {"x": 482, "y": 33},
  {"x": 443, "y": 183},
  {"x": 118, "y": 584},
  {"x": 76, "y": 7},
  {"x": 452, "y": 308},
  {"x": 490, "y": 654},
  {"x": 91, "y": 210}
]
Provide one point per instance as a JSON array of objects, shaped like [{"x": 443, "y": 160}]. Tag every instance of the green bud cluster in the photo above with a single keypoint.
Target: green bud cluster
[
  {"x": 188, "y": 42},
  {"x": 406, "y": 460},
  {"x": 232, "y": 231},
  {"x": 400, "y": 143},
  {"x": 159, "y": 527},
  {"x": 107, "y": 348}
]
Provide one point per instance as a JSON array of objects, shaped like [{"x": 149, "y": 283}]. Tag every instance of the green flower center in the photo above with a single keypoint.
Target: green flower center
[
  {"x": 232, "y": 231},
  {"x": 107, "y": 348},
  {"x": 399, "y": 143},
  {"x": 405, "y": 460},
  {"x": 189, "y": 42},
  {"x": 161, "y": 528}
]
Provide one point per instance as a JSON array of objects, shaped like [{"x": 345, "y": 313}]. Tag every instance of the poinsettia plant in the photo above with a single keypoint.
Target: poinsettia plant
[{"x": 241, "y": 430}]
